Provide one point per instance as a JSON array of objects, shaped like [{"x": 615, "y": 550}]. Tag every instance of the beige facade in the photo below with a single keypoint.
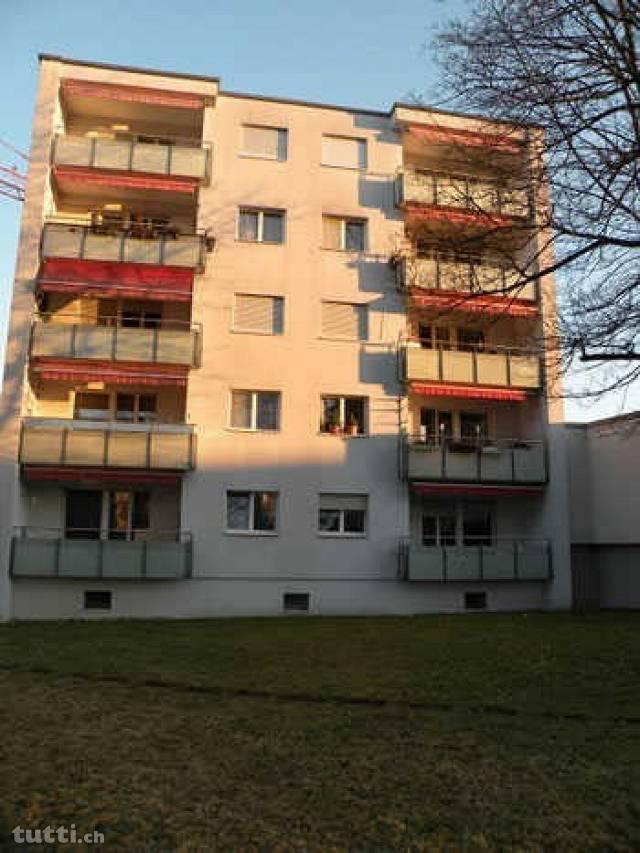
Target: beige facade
[{"x": 229, "y": 392}]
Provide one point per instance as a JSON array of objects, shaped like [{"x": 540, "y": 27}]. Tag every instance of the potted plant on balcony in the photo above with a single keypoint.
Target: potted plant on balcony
[{"x": 331, "y": 424}]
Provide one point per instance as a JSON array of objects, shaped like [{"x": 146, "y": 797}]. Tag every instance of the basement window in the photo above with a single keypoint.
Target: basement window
[
  {"x": 475, "y": 601},
  {"x": 295, "y": 602},
  {"x": 97, "y": 599}
]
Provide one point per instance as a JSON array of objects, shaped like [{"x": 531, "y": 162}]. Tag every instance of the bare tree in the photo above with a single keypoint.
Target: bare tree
[{"x": 573, "y": 69}]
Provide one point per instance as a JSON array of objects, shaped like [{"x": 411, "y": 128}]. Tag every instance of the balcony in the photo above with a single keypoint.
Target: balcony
[
  {"x": 466, "y": 372},
  {"x": 461, "y": 199},
  {"x": 119, "y": 244},
  {"x": 503, "y": 560},
  {"x": 80, "y": 444},
  {"x": 148, "y": 555},
  {"x": 52, "y": 337},
  {"x": 477, "y": 287},
  {"x": 500, "y": 461},
  {"x": 175, "y": 158}
]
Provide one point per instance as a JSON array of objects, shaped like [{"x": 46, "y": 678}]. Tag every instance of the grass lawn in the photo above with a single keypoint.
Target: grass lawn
[{"x": 435, "y": 733}]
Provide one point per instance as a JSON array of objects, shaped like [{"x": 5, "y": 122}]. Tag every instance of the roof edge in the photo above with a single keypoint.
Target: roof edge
[{"x": 156, "y": 72}]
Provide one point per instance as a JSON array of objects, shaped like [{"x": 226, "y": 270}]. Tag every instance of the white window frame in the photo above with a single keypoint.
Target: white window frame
[
  {"x": 279, "y": 130},
  {"x": 260, "y": 211},
  {"x": 344, "y": 220},
  {"x": 342, "y": 533},
  {"x": 342, "y": 398},
  {"x": 254, "y": 410},
  {"x": 251, "y": 531}
]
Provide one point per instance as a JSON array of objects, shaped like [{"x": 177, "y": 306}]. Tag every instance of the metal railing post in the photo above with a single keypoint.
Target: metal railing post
[
  {"x": 114, "y": 342},
  {"x": 74, "y": 335}
]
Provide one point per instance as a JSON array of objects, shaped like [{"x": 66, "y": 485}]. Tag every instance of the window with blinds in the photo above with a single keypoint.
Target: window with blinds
[
  {"x": 345, "y": 320},
  {"x": 344, "y": 151},
  {"x": 261, "y": 314},
  {"x": 342, "y": 515},
  {"x": 269, "y": 143}
]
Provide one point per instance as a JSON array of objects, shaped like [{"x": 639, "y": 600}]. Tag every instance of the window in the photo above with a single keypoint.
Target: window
[
  {"x": 125, "y": 408},
  {"x": 97, "y": 599},
  {"x": 344, "y": 234},
  {"x": 342, "y": 515},
  {"x": 477, "y": 526},
  {"x": 270, "y": 143},
  {"x": 92, "y": 407},
  {"x": 344, "y": 151},
  {"x": 261, "y": 314},
  {"x": 136, "y": 408},
  {"x": 261, "y": 226},
  {"x": 343, "y": 415},
  {"x": 439, "y": 528},
  {"x": 345, "y": 320},
  {"x": 468, "y": 524},
  {"x": 128, "y": 514},
  {"x": 473, "y": 425},
  {"x": 255, "y": 410},
  {"x": 295, "y": 602},
  {"x": 434, "y": 337},
  {"x": 435, "y": 426},
  {"x": 252, "y": 512},
  {"x": 470, "y": 339}
]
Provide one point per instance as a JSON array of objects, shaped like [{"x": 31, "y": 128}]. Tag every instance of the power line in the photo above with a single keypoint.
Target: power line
[{"x": 14, "y": 149}]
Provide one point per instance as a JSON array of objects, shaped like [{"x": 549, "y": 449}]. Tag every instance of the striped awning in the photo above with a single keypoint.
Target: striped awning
[
  {"x": 112, "y": 279},
  {"x": 66, "y": 473},
  {"x": 485, "y": 304},
  {"x": 105, "y": 178},
  {"x": 133, "y": 94},
  {"x": 126, "y": 373},
  {"x": 471, "y": 392},
  {"x": 442, "y": 213},
  {"x": 458, "y": 136}
]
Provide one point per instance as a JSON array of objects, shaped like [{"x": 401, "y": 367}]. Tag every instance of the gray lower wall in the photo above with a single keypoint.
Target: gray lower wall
[{"x": 606, "y": 576}]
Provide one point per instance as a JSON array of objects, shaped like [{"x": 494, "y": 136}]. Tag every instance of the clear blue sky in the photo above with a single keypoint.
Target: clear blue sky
[{"x": 365, "y": 53}]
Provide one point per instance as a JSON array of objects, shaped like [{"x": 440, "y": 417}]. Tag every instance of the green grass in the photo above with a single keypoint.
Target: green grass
[{"x": 491, "y": 733}]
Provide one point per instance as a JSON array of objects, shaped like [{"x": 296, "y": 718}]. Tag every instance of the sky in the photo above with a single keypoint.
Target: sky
[{"x": 362, "y": 53}]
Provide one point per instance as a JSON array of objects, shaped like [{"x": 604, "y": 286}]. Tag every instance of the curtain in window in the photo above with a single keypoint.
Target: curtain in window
[
  {"x": 241, "y": 409},
  {"x": 332, "y": 232}
]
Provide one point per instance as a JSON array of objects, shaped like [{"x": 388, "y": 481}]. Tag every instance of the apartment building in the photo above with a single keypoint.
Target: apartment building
[{"x": 264, "y": 358}]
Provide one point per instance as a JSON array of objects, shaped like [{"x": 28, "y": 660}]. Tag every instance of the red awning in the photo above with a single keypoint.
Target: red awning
[
  {"x": 114, "y": 279},
  {"x": 133, "y": 94},
  {"x": 472, "y": 392},
  {"x": 458, "y": 136},
  {"x": 139, "y": 181},
  {"x": 65, "y": 473},
  {"x": 125, "y": 373},
  {"x": 432, "y": 212},
  {"x": 485, "y": 304},
  {"x": 475, "y": 490}
]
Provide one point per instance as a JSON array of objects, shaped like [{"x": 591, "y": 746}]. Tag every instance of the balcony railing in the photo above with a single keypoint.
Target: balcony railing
[
  {"x": 482, "y": 460},
  {"x": 461, "y": 277},
  {"x": 480, "y": 365},
  {"x": 47, "y": 441},
  {"x": 128, "y": 155},
  {"x": 52, "y": 337},
  {"x": 502, "y": 560},
  {"x": 120, "y": 244},
  {"x": 38, "y": 552},
  {"x": 470, "y": 194}
]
